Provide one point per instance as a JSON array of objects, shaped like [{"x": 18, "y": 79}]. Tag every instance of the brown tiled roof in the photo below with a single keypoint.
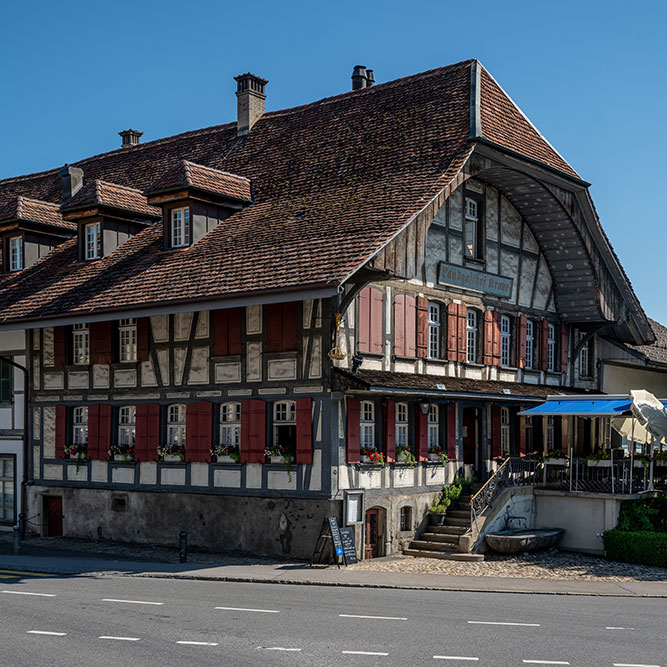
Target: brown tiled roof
[
  {"x": 33, "y": 210},
  {"x": 656, "y": 352},
  {"x": 365, "y": 380},
  {"x": 186, "y": 174},
  {"x": 101, "y": 193}
]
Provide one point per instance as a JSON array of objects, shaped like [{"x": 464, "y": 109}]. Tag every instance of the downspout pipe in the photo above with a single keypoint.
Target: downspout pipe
[{"x": 26, "y": 447}]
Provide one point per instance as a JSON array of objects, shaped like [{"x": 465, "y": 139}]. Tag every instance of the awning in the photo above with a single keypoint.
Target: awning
[{"x": 584, "y": 406}]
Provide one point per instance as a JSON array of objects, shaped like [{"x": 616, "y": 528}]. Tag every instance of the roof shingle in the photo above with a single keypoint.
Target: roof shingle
[
  {"x": 34, "y": 210},
  {"x": 101, "y": 193}
]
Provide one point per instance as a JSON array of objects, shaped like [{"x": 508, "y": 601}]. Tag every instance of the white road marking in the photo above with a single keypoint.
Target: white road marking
[
  {"x": 525, "y": 625},
  {"x": 41, "y": 595},
  {"x": 46, "y": 632},
  {"x": 364, "y": 653},
  {"x": 453, "y": 657},
  {"x": 131, "y": 601},
  {"x": 261, "y": 611},
  {"x": 614, "y": 627},
  {"x": 278, "y": 648},
  {"x": 545, "y": 662},
  {"x": 632, "y": 664},
  {"x": 120, "y": 639},
  {"x": 187, "y": 643},
  {"x": 381, "y": 618}
]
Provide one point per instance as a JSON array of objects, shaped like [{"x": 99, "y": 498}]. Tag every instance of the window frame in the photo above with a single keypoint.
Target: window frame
[
  {"x": 405, "y": 518},
  {"x": 19, "y": 255},
  {"x": 367, "y": 424},
  {"x": 230, "y": 429},
  {"x": 127, "y": 428},
  {"x": 505, "y": 431},
  {"x": 7, "y": 479},
  {"x": 127, "y": 351},
  {"x": 550, "y": 435},
  {"x": 530, "y": 344},
  {"x": 472, "y": 336},
  {"x": 284, "y": 414},
  {"x": 505, "y": 340},
  {"x": 470, "y": 227},
  {"x": 551, "y": 347},
  {"x": 433, "y": 422},
  {"x": 183, "y": 234},
  {"x": 92, "y": 247},
  {"x": 434, "y": 329},
  {"x": 79, "y": 429},
  {"x": 402, "y": 425},
  {"x": 176, "y": 425},
  {"x": 584, "y": 357},
  {"x": 80, "y": 344},
  {"x": 6, "y": 382}
]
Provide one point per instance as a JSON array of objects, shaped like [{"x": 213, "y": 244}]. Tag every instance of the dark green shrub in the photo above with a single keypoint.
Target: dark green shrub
[
  {"x": 640, "y": 547},
  {"x": 645, "y": 514}
]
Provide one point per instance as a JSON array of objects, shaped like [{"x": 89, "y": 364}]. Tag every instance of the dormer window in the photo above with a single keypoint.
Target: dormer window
[
  {"x": 93, "y": 240},
  {"x": 180, "y": 227},
  {"x": 15, "y": 253}
]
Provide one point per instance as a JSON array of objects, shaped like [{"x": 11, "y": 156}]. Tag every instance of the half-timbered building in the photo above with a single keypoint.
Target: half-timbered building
[{"x": 359, "y": 294}]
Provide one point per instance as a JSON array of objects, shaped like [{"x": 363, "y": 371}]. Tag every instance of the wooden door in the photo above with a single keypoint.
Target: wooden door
[
  {"x": 469, "y": 439},
  {"x": 54, "y": 515},
  {"x": 372, "y": 549}
]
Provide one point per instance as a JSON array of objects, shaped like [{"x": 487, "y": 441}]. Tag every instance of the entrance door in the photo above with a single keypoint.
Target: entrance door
[
  {"x": 372, "y": 549},
  {"x": 470, "y": 437},
  {"x": 53, "y": 507}
]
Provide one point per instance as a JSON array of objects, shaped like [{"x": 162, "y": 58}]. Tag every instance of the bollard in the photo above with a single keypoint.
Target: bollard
[
  {"x": 183, "y": 546},
  {"x": 22, "y": 525},
  {"x": 17, "y": 541}
]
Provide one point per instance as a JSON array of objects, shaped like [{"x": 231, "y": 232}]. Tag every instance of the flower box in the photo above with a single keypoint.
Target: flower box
[
  {"x": 365, "y": 459},
  {"x": 603, "y": 463},
  {"x": 276, "y": 459},
  {"x": 556, "y": 462},
  {"x": 661, "y": 462},
  {"x": 172, "y": 458},
  {"x": 123, "y": 459},
  {"x": 224, "y": 459}
]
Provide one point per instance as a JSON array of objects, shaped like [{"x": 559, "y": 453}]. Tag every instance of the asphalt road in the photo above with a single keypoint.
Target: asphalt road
[{"x": 57, "y": 621}]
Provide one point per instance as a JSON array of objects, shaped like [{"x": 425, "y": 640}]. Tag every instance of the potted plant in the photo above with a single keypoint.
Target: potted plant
[
  {"x": 171, "y": 453},
  {"x": 369, "y": 455},
  {"x": 438, "y": 509},
  {"x": 452, "y": 494},
  {"x": 77, "y": 452},
  {"x": 465, "y": 483},
  {"x": 226, "y": 453},
  {"x": 405, "y": 455},
  {"x": 437, "y": 453},
  {"x": 280, "y": 454},
  {"x": 661, "y": 458},
  {"x": 555, "y": 458},
  {"x": 600, "y": 460},
  {"x": 124, "y": 453}
]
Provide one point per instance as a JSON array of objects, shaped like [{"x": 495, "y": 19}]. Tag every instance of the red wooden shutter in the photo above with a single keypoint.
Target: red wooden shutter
[
  {"x": 205, "y": 430},
  {"x": 410, "y": 326},
  {"x": 100, "y": 342},
  {"x": 143, "y": 333},
  {"x": 564, "y": 347},
  {"x": 234, "y": 335},
  {"x": 422, "y": 327},
  {"x": 564, "y": 439},
  {"x": 452, "y": 332},
  {"x": 253, "y": 431},
  {"x": 353, "y": 430},
  {"x": 220, "y": 333},
  {"x": 389, "y": 430},
  {"x": 104, "y": 434},
  {"x": 544, "y": 343},
  {"x": 147, "y": 432},
  {"x": 496, "y": 446},
  {"x": 290, "y": 340},
  {"x": 462, "y": 319},
  {"x": 488, "y": 337},
  {"x": 198, "y": 430},
  {"x": 61, "y": 431},
  {"x": 521, "y": 341},
  {"x": 376, "y": 330},
  {"x": 399, "y": 325},
  {"x": 274, "y": 327},
  {"x": 496, "y": 337},
  {"x": 364, "y": 320},
  {"x": 521, "y": 432},
  {"x": 451, "y": 431},
  {"x": 59, "y": 346},
  {"x": 422, "y": 435},
  {"x": 304, "y": 431},
  {"x": 93, "y": 448}
]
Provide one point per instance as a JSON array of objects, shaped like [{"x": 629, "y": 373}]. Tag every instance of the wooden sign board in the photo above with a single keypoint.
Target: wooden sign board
[{"x": 349, "y": 547}]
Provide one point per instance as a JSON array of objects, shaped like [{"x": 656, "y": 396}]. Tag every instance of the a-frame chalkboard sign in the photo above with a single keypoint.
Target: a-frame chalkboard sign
[{"x": 335, "y": 543}]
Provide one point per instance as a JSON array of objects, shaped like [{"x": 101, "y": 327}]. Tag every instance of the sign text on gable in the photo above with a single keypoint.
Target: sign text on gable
[{"x": 460, "y": 276}]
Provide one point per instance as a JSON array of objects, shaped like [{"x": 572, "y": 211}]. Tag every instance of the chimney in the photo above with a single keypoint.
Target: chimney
[
  {"x": 370, "y": 78},
  {"x": 130, "y": 137},
  {"x": 71, "y": 179},
  {"x": 359, "y": 79},
  {"x": 250, "y": 101}
]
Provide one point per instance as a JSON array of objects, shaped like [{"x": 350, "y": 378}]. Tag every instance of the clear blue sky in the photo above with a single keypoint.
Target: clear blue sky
[{"x": 589, "y": 74}]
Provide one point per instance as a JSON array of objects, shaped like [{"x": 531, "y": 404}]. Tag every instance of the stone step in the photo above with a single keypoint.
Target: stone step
[
  {"x": 443, "y": 555},
  {"x": 458, "y": 514},
  {"x": 452, "y": 521},
  {"x": 432, "y": 546},
  {"x": 440, "y": 537},
  {"x": 447, "y": 530}
]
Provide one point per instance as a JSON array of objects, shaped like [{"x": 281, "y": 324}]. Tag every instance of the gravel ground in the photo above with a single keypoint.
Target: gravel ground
[{"x": 551, "y": 564}]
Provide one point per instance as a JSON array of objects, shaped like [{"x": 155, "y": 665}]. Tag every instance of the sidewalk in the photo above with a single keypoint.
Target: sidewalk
[{"x": 300, "y": 573}]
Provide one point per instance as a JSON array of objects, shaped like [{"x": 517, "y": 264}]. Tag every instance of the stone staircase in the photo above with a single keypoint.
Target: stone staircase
[{"x": 443, "y": 541}]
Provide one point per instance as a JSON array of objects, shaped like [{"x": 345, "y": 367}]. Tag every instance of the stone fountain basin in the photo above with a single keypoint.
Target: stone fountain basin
[{"x": 518, "y": 541}]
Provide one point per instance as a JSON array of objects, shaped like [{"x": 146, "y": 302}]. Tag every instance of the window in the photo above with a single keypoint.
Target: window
[
  {"x": 406, "y": 518},
  {"x": 7, "y": 486},
  {"x": 584, "y": 357},
  {"x": 505, "y": 431},
  {"x": 93, "y": 236},
  {"x": 433, "y": 427},
  {"x": 434, "y": 330},
  {"x": 127, "y": 338},
  {"x": 401, "y": 424},
  {"x": 551, "y": 347},
  {"x": 5, "y": 382},
  {"x": 180, "y": 227},
  {"x": 471, "y": 345},
  {"x": 16, "y": 253},
  {"x": 81, "y": 344},
  {"x": 230, "y": 424},
  {"x": 530, "y": 440},
  {"x": 470, "y": 227},
  {"x": 367, "y": 424},
  {"x": 530, "y": 344},
  {"x": 176, "y": 426},
  {"x": 550, "y": 434},
  {"x": 80, "y": 426},
  {"x": 505, "y": 341},
  {"x": 126, "y": 426},
  {"x": 284, "y": 425}
]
